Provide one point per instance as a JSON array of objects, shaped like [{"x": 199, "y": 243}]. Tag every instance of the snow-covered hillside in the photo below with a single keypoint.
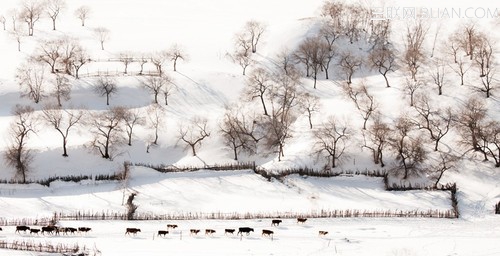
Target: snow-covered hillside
[{"x": 208, "y": 83}]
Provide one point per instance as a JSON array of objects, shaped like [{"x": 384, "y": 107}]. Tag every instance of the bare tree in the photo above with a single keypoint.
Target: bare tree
[
  {"x": 413, "y": 55},
  {"x": 331, "y": 138},
  {"x": 102, "y": 34},
  {"x": 126, "y": 58},
  {"x": 238, "y": 132},
  {"x": 257, "y": 85},
  {"x": 253, "y": 31},
  {"x": 156, "y": 120},
  {"x": 62, "y": 89},
  {"x": 285, "y": 61},
  {"x": 106, "y": 129},
  {"x": 18, "y": 37},
  {"x": 409, "y": 150},
  {"x": 156, "y": 84},
  {"x": 79, "y": 59},
  {"x": 330, "y": 33},
  {"x": 310, "y": 103},
  {"x": 131, "y": 118},
  {"x": 194, "y": 133},
  {"x": 284, "y": 99},
  {"x": 14, "y": 16},
  {"x": 436, "y": 121},
  {"x": 50, "y": 53},
  {"x": 158, "y": 59},
  {"x": 243, "y": 59},
  {"x": 411, "y": 86},
  {"x": 82, "y": 13},
  {"x": 446, "y": 162},
  {"x": 168, "y": 90},
  {"x": 106, "y": 86},
  {"x": 31, "y": 11},
  {"x": 31, "y": 79},
  {"x": 349, "y": 63},
  {"x": 54, "y": 8},
  {"x": 438, "y": 73},
  {"x": 364, "y": 101},
  {"x": 471, "y": 122},
  {"x": 142, "y": 61},
  {"x": 376, "y": 138},
  {"x": 484, "y": 59},
  {"x": 460, "y": 68},
  {"x": 62, "y": 121},
  {"x": 18, "y": 155},
  {"x": 384, "y": 60},
  {"x": 491, "y": 141},
  {"x": 313, "y": 53},
  {"x": 176, "y": 53},
  {"x": 3, "y": 21}
]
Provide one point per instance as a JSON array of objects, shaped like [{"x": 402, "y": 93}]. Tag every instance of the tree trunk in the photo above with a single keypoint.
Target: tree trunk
[
  {"x": 263, "y": 104},
  {"x": 107, "y": 99},
  {"x": 193, "y": 149},
  {"x": 386, "y": 81},
  {"x": 65, "y": 152},
  {"x": 175, "y": 65},
  {"x": 53, "y": 24},
  {"x": 102, "y": 45}
]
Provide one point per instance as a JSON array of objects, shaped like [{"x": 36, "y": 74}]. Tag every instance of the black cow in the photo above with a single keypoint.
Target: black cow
[
  {"x": 68, "y": 230},
  {"x": 323, "y": 233},
  {"x": 132, "y": 231},
  {"x": 276, "y": 222},
  {"x": 34, "y": 231},
  {"x": 229, "y": 231},
  {"x": 1, "y": 229},
  {"x": 22, "y": 228},
  {"x": 194, "y": 231},
  {"x": 50, "y": 230},
  {"x": 162, "y": 233},
  {"x": 301, "y": 220},
  {"x": 267, "y": 232},
  {"x": 84, "y": 229},
  {"x": 246, "y": 230}
]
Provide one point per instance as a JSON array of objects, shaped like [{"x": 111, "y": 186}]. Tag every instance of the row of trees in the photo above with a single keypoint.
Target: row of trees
[{"x": 31, "y": 11}]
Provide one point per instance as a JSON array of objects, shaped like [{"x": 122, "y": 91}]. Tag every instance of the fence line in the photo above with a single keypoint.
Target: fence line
[
  {"x": 45, "y": 247},
  {"x": 109, "y": 215}
]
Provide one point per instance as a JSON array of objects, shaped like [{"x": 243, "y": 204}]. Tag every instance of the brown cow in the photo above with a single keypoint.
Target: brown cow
[
  {"x": 209, "y": 232},
  {"x": 162, "y": 233},
  {"x": 171, "y": 226},
  {"x": 132, "y": 231},
  {"x": 323, "y": 233},
  {"x": 267, "y": 232},
  {"x": 301, "y": 220},
  {"x": 194, "y": 231}
]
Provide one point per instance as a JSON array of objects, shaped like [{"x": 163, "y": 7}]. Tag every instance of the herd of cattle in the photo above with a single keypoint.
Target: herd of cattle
[
  {"x": 55, "y": 230},
  {"x": 51, "y": 230},
  {"x": 227, "y": 231}
]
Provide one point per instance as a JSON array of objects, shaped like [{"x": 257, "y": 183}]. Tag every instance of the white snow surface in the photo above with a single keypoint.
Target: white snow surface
[{"x": 206, "y": 84}]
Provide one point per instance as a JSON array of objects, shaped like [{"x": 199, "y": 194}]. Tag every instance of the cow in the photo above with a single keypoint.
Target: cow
[
  {"x": 275, "y": 222},
  {"x": 246, "y": 230},
  {"x": 323, "y": 233},
  {"x": 229, "y": 231},
  {"x": 68, "y": 230},
  {"x": 84, "y": 229},
  {"x": 34, "y": 231},
  {"x": 209, "y": 232},
  {"x": 50, "y": 230},
  {"x": 171, "y": 226},
  {"x": 22, "y": 228},
  {"x": 1, "y": 229},
  {"x": 267, "y": 232},
  {"x": 132, "y": 231},
  {"x": 301, "y": 220},
  {"x": 162, "y": 233},
  {"x": 194, "y": 231}
]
